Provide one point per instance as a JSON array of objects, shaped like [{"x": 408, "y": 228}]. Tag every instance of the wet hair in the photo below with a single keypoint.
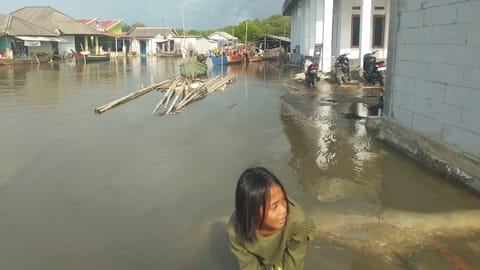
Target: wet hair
[{"x": 251, "y": 196}]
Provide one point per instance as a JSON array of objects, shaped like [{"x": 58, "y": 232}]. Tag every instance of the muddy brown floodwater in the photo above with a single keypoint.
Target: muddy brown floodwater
[{"x": 130, "y": 190}]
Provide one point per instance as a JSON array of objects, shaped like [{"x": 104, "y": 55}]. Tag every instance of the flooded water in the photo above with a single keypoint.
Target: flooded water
[{"x": 130, "y": 190}]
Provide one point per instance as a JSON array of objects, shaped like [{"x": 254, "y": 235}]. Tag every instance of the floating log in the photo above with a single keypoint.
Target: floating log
[
  {"x": 197, "y": 90},
  {"x": 177, "y": 93},
  {"x": 132, "y": 96},
  {"x": 171, "y": 88}
]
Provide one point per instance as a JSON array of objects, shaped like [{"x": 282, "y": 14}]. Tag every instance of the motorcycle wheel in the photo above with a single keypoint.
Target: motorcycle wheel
[
  {"x": 381, "y": 81},
  {"x": 340, "y": 80},
  {"x": 308, "y": 82}
]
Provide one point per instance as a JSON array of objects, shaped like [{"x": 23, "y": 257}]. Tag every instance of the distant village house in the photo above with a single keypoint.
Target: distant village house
[
  {"x": 20, "y": 38},
  {"x": 152, "y": 40},
  {"x": 114, "y": 40}
]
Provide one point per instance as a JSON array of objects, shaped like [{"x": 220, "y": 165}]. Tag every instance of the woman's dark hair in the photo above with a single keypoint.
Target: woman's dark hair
[{"x": 251, "y": 195}]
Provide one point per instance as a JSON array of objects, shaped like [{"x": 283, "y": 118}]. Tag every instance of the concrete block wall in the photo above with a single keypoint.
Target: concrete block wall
[{"x": 435, "y": 85}]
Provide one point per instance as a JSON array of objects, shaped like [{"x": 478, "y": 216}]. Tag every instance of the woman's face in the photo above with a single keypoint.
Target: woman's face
[{"x": 276, "y": 216}]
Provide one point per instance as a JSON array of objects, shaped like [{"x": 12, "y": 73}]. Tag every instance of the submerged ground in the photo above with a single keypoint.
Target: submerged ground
[{"x": 128, "y": 189}]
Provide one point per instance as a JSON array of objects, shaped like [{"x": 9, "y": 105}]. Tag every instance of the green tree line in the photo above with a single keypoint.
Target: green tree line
[{"x": 276, "y": 25}]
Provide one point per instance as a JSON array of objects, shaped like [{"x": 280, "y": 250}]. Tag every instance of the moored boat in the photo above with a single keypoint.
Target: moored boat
[
  {"x": 255, "y": 58},
  {"x": 87, "y": 58},
  {"x": 169, "y": 54},
  {"x": 272, "y": 54},
  {"x": 35, "y": 59},
  {"x": 226, "y": 59},
  {"x": 192, "y": 68}
]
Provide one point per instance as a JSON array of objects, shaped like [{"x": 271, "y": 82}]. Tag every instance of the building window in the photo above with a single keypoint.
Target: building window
[
  {"x": 378, "y": 31},
  {"x": 355, "y": 38}
]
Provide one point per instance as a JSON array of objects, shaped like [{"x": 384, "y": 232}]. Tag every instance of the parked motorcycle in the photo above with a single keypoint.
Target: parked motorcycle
[
  {"x": 373, "y": 71},
  {"x": 311, "y": 74},
  {"x": 342, "y": 69}
]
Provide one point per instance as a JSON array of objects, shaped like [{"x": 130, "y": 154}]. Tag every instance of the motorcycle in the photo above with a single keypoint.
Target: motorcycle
[
  {"x": 342, "y": 68},
  {"x": 311, "y": 73},
  {"x": 373, "y": 71}
]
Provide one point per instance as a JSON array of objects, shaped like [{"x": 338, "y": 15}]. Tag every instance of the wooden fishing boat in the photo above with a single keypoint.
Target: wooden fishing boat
[
  {"x": 169, "y": 54},
  {"x": 87, "y": 58},
  {"x": 192, "y": 68},
  {"x": 255, "y": 58},
  {"x": 272, "y": 54},
  {"x": 226, "y": 59},
  {"x": 36, "y": 59}
]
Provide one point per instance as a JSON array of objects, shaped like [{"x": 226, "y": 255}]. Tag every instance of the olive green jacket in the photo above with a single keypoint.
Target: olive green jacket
[{"x": 285, "y": 249}]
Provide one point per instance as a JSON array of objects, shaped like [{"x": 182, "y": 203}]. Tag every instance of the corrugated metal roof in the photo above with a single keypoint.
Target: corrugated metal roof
[
  {"x": 100, "y": 25},
  {"x": 84, "y": 21},
  {"x": 15, "y": 26},
  {"x": 150, "y": 32},
  {"x": 225, "y": 35},
  {"x": 53, "y": 20},
  {"x": 285, "y": 39}
]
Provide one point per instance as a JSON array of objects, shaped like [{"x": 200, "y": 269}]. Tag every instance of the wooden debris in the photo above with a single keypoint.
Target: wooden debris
[
  {"x": 132, "y": 96},
  {"x": 177, "y": 93}
]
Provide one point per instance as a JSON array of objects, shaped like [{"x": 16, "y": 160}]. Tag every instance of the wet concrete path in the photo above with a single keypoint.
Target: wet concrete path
[{"x": 368, "y": 190}]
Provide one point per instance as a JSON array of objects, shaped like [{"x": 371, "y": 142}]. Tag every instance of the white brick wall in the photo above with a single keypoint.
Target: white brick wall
[
  {"x": 468, "y": 140},
  {"x": 471, "y": 76},
  {"x": 473, "y": 33},
  {"x": 403, "y": 116},
  {"x": 468, "y": 13},
  {"x": 427, "y": 125},
  {"x": 436, "y": 3},
  {"x": 440, "y": 15},
  {"x": 430, "y": 90},
  {"x": 411, "y": 19},
  {"x": 416, "y": 35},
  {"x": 465, "y": 98},
  {"x": 446, "y": 73},
  {"x": 436, "y": 85},
  {"x": 470, "y": 121}
]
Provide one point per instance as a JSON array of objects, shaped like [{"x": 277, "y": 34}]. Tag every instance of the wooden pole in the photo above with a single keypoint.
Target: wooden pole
[
  {"x": 131, "y": 96},
  {"x": 180, "y": 91}
]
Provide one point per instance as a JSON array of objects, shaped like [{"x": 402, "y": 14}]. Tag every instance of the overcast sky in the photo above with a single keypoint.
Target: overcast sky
[{"x": 199, "y": 14}]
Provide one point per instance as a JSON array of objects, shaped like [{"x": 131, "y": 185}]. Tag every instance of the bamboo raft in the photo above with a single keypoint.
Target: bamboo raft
[{"x": 177, "y": 93}]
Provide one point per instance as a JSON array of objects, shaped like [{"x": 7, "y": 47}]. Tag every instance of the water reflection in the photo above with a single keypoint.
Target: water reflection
[
  {"x": 331, "y": 154},
  {"x": 13, "y": 77},
  {"x": 126, "y": 189},
  {"x": 262, "y": 70},
  {"x": 223, "y": 70},
  {"x": 339, "y": 163}
]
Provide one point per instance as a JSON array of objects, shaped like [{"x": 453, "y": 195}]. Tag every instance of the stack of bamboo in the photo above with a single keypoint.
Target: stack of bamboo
[{"x": 177, "y": 93}]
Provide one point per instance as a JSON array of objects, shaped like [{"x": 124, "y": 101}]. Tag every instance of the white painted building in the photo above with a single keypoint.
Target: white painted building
[
  {"x": 223, "y": 37},
  {"x": 195, "y": 44},
  {"x": 328, "y": 28},
  {"x": 67, "y": 45},
  {"x": 432, "y": 102},
  {"x": 71, "y": 33},
  {"x": 146, "y": 40}
]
